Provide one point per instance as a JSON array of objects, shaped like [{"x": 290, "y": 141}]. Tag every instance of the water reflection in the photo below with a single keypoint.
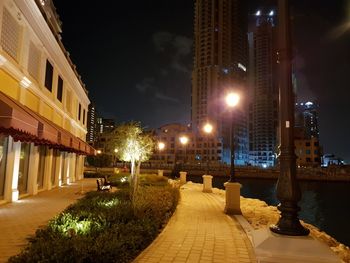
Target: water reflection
[{"x": 323, "y": 204}]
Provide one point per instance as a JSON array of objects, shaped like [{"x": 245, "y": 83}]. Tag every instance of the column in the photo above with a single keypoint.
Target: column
[
  {"x": 48, "y": 169},
  {"x": 12, "y": 167},
  {"x": 33, "y": 170}
]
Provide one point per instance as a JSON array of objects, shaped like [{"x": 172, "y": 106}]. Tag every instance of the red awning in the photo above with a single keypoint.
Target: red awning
[
  {"x": 23, "y": 124},
  {"x": 15, "y": 121}
]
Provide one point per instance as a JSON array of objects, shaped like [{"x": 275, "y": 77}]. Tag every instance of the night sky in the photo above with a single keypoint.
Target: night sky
[{"x": 135, "y": 58}]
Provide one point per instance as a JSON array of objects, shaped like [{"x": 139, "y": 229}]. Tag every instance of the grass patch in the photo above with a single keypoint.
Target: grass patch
[{"x": 104, "y": 227}]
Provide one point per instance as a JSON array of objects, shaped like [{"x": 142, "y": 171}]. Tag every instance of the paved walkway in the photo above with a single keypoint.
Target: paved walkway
[
  {"x": 21, "y": 219},
  {"x": 199, "y": 231}
]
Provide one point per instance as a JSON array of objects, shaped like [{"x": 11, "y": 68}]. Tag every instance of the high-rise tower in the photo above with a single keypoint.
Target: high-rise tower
[
  {"x": 263, "y": 106},
  {"x": 220, "y": 64}
]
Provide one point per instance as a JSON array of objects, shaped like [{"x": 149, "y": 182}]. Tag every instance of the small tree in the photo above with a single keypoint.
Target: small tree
[{"x": 133, "y": 146}]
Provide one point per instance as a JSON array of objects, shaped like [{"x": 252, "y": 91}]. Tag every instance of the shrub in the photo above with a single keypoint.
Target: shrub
[{"x": 103, "y": 227}]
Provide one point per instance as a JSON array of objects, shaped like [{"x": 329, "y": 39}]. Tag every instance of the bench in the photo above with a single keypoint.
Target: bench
[{"x": 101, "y": 186}]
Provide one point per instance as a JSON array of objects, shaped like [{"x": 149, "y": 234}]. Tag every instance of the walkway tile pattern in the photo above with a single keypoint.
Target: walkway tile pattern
[
  {"x": 21, "y": 219},
  {"x": 199, "y": 231}
]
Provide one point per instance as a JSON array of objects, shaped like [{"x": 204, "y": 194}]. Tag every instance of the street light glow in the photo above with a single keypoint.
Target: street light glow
[
  {"x": 115, "y": 150},
  {"x": 272, "y": 13},
  {"x": 258, "y": 13},
  {"x": 161, "y": 145},
  {"x": 208, "y": 128},
  {"x": 232, "y": 99},
  {"x": 184, "y": 140},
  {"x": 98, "y": 151}
]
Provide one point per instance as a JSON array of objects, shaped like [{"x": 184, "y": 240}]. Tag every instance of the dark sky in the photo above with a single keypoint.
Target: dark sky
[{"x": 136, "y": 57}]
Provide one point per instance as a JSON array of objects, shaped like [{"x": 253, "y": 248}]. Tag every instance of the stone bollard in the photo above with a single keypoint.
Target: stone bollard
[
  {"x": 233, "y": 195},
  {"x": 183, "y": 177},
  {"x": 207, "y": 183},
  {"x": 160, "y": 172}
]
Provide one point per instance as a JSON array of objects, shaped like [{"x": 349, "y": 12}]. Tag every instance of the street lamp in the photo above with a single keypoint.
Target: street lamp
[
  {"x": 207, "y": 128},
  {"x": 232, "y": 100},
  {"x": 115, "y": 157},
  {"x": 98, "y": 151},
  {"x": 161, "y": 146},
  {"x": 232, "y": 188},
  {"x": 288, "y": 191},
  {"x": 184, "y": 141}
]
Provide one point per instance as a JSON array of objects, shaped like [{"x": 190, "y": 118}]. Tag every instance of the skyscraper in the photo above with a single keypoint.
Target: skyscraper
[
  {"x": 91, "y": 125},
  {"x": 263, "y": 82},
  {"x": 306, "y": 119},
  {"x": 220, "y": 64}
]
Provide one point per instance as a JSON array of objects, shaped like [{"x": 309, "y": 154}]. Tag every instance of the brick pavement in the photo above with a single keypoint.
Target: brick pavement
[
  {"x": 199, "y": 231},
  {"x": 19, "y": 220}
]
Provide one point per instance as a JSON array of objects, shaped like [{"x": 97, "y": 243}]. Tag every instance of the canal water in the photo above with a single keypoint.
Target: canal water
[{"x": 323, "y": 204}]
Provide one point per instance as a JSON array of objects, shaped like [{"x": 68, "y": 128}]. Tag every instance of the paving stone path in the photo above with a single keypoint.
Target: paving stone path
[
  {"x": 21, "y": 219},
  {"x": 199, "y": 231}
]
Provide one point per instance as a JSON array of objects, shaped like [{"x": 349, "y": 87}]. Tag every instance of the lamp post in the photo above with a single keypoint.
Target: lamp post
[
  {"x": 184, "y": 141},
  {"x": 161, "y": 146},
  {"x": 288, "y": 191},
  {"x": 232, "y": 188},
  {"x": 232, "y": 100},
  {"x": 115, "y": 157},
  {"x": 207, "y": 128}
]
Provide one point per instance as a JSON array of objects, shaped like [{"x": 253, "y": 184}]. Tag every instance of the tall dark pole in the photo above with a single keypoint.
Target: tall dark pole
[
  {"x": 288, "y": 192},
  {"x": 208, "y": 151},
  {"x": 232, "y": 147}
]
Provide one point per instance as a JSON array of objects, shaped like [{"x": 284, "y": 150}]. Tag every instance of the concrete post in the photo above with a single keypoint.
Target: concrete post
[
  {"x": 183, "y": 177},
  {"x": 207, "y": 183},
  {"x": 233, "y": 194},
  {"x": 160, "y": 172}
]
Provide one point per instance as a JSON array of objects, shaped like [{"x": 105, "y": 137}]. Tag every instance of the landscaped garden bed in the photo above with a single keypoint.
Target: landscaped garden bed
[{"x": 105, "y": 227}]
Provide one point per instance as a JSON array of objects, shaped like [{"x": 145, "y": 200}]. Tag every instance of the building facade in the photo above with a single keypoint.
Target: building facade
[
  {"x": 43, "y": 103},
  {"x": 307, "y": 136},
  {"x": 199, "y": 147},
  {"x": 220, "y": 66},
  {"x": 263, "y": 107},
  {"x": 306, "y": 118}
]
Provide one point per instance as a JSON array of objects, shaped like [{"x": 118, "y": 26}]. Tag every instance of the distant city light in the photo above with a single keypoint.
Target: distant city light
[
  {"x": 242, "y": 67},
  {"x": 272, "y": 13},
  {"x": 309, "y": 103},
  {"x": 232, "y": 99},
  {"x": 208, "y": 128},
  {"x": 183, "y": 140},
  {"x": 258, "y": 13},
  {"x": 161, "y": 145}
]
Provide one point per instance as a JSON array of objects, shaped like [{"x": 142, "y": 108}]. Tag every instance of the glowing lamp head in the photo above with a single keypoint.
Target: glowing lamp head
[
  {"x": 183, "y": 140},
  {"x": 208, "y": 128},
  {"x": 232, "y": 99},
  {"x": 161, "y": 145},
  {"x": 98, "y": 151},
  {"x": 258, "y": 13},
  {"x": 272, "y": 13},
  {"x": 116, "y": 150}
]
